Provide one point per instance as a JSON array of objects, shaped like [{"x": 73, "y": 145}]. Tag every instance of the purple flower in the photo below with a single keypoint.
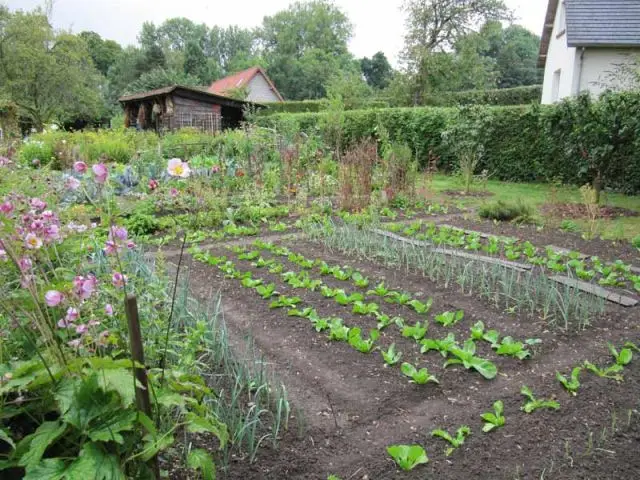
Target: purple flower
[
  {"x": 80, "y": 167},
  {"x": 53, "y": 298},
  {"x": 108, "y": 309},
  {"x": 72, "y": 314},
  {"x": 32, "y": 241},
  {"x": 25, "y": 264},
  {"x": 118, "y": 280},
  {"x": 38, "y": 204},
  {"x": 72, "y": 183},
  {"x": 6, "y": 207},
  {"x": 81, "y": 329},
  {"x": 100, "y": 172},
  {"x": 75, "y": 343}
]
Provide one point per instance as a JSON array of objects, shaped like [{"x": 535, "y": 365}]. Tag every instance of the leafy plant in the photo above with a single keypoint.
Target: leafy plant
[
  {"x": 398, "y": 297},
  {"x": 250, "y": 283},
  {"x": 285, "y": 302},
  {"x": 419, "y": 377},
  {"x": 612, "y": 372},
  {"x": 266, "y": 291},
  {"x": 443, "y": 346},
  {"x": 623, "y": 357},
  {"x": 329, "y": 292},
  {"x": 343, "y": 299},
  {"x": 362, "y": 308},
  {"x": 356, "y": 341},
  {"x": 571, "y": 384},
  {"x": 249, "y": 255},
  {"x": 466, "y": 357},
  {"x": 456, "y": 442},
  {"x": 359, "y": 280},
  {"x": 534, "y": 404},
  {"x": 379, "y": 291},
  {"x": 511, "y": 348},
  {"x": 320, "y": 324},
  {"x": 417, "y": 331},
  {"x": 421, "y": 307},
  {"x": 391, "y": 356},
  {"x": 495, "y": 419},
  {"x": 407, "y": 457},
  {"x": 446, "y": 319},
  {"x": 338, "y": 331},
  {"x": 306, "y": 312}
]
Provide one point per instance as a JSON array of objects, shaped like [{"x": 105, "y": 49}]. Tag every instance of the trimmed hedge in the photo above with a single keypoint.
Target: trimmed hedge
[
  {"x": 310, "y": 106},
  {"x": 502, "y": 96},
  {"x": 521, "y": 143}
]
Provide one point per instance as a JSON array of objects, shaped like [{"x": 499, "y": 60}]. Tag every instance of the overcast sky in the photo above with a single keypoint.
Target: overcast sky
[{"x": 378, "y": 24}]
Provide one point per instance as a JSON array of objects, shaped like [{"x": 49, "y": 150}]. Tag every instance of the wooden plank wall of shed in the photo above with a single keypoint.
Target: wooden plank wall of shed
[{"x": 187, "y": 105}]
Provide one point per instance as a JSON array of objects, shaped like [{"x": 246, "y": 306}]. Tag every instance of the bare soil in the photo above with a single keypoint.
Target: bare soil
[
  {"x": 579, "y": 210},
  {"x": 348, "y": 407}
]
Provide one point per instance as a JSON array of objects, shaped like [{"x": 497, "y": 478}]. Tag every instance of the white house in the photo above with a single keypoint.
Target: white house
[
  {"x": 586, "y": 45},
  {"x": 255, "y": 80}
]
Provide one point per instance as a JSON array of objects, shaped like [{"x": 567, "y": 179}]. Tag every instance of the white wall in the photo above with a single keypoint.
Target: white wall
[
  {"x": 601, "y": 68},
  {"x": 559, "y": 57},
  {"x": 260, "y": 90}
]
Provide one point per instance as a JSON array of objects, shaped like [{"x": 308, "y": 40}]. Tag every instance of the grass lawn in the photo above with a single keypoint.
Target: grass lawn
[{"x": 538, "y": 194}]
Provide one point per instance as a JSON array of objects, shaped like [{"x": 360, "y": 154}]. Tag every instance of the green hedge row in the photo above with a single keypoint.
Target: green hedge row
[
  {"x": 503, "y": 96},
  {"x": 521, "y": 143},
  {"x": 310, "y": 106}
]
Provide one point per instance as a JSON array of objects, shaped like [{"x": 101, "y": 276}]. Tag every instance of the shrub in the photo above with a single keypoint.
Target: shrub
[
  {"x": 636, "y": 242},
  {"x": 501, "y": 96},
  {"x": 142, "y": 224},
  {"x": 569, "y": 226},
  {"x": 505, "y": 212},
  {"x": 41, "y": 152}
]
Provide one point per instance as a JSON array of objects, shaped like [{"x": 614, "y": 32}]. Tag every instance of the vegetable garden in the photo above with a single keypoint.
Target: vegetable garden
[{"x": 307, "y": 309}]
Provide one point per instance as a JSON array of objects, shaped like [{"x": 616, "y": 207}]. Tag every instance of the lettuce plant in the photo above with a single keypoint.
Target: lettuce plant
[
  {"x": 284, "y": 302},
  {"x": 612, "y": 372},
  {"x": 495, "y": 419},
  {"x": 379, "y": 291},
  {"x": 623, "y": 357},
  {"x": 359, "y": 280},
  {"x": 362, "y": 308},
  {"x": 534, "y": 404},
  {"x": 266, "y": 291},
  {"x": 421, "y": 307},
  {"x": 329, "y": 292},
  {"x": 249, "y": 255},
  {"x": 417, "y": 331},
  {"x": 343, "y": 299},
  {"x": 572, "y": 383},
  {"x": 456, "y": 442},
  {"x": 337, "y": 330},
  {"x": 419, "y": 377},
  {"x": 398, "y": 297},
  {"x": 443, "y": 346},
  {"x": 446, "y": 319},
  {"x": 356, "y": 341},
  {"x": 276, "y": 268},
  {"x": 509, "y": 347},
  {"x": 391, "y": 356},
  {"x": 466, "y": 357},
  {"x": 306, "y": 312},
  {"x": 261, "y": 262},
  {"x": 320, "y": 324},
  {"x": 407, "y": 457},
  {"x": 342, "y": 274},
  {"x": 250, "y": 283}
]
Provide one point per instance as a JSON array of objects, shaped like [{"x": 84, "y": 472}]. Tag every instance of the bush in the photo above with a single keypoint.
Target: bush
[
  {"x": 142, "y": 224},
  {"x": 505, "y": 212},
  {"x": 310, "y": 106},
  {"x": 636, "y": 242},
  {"x": 502, "y": 96},
  {"x": 42, "y": 152}
]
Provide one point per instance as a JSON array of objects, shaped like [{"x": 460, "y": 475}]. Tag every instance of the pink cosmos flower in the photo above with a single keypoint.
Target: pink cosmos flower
[
  {"x": 38, "y": 204},
  {"x": 64, "y": 323},
  {"x": 100, "y": 172},
  {"x": 32, "y": 241},
  {"x": 118, "y": 279},
  {"x": 84, "y": 287},
  {"x": 173, "y": 192},
  {"x": 6, "y": 207},
  {"x": 108, "y": 309},
  {"x": 81, "y": 329},
  {"x": 53, "y": 298},
  {"x": 72, "y": 314},
  {"x": 51, "y": 233},
  {"x": 178, "y": 168},
  {"x": 110, "y": 247},
  {"x": 25, "y": 264},
  {"x": 80, "y": 167},
  {"x": 153, "y": 184},
  {"x": 72, "y": 183},
  {"x": 215, "y": 169},
  {"x": 131, "y": 245},
  {"x": 48, "y": 215}
]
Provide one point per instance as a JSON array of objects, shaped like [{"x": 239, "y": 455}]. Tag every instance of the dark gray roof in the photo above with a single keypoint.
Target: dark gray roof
[{"x": 610, "y": 23}]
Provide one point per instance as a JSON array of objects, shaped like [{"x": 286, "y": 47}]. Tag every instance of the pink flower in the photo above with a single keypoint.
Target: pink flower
[
  {"x": 4, "y": 161},
  {"x": 93, "y": 323},
  {"x": 178, "y": 168},
  {"x": 119, "y": 233},
  {"x": 53, "y": 298},
  {"x": 25, "y": 264},
  {"x": 80, "y": 167},
  {"x": 100, "y": 172},
  {"x": 3, "y": 255},
  {"x": 72, "y": 183},
  {"x": 75, "y": 343},
  {"x": 84, "y": 287},
  {"x": 72, "y": 314},
  {"x": 110, "y": 247},
  {"x": 131, "y": 245},
  {"x": 82, "y": 329},
  {"x": 173, "y": 192},
  {"x": 118, "y": 279},
  {"x": 215, "y": 169},
  {"x": 6, "y": 207},
  {"x": 64, "y": 323},
  {"x": 32, "y": 241},
  {"x": 38, "y": 204},
  {"x": 153, "y": 184},
  {"x": 52, "y": 232},
  {"x": 108, "y": 309}
]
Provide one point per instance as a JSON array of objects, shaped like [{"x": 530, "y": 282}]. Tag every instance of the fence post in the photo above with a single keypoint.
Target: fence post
[{"x": 140, "y": 372}]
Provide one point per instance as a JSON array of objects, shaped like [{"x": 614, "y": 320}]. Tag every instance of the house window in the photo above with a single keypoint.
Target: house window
[
  {"x": 561, "y": 27},
  {"x": 555, "y": 87}
]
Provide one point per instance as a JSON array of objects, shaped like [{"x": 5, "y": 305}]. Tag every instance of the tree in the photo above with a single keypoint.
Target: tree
[
  {"x": 350, "y": 88},
  {"x": 48, "y": 75},
  {"x": 176, "y": 33},
  {"x": 435, "y": 26},
  {"x": 517, "y": 59},
  {"x": 159, "y": 78},
  {"x": 304, "y": 46},
  {"x": 103, "y": 52},
  {"x": 195, "y": 63},
  {"x": 377, "y": 70}
]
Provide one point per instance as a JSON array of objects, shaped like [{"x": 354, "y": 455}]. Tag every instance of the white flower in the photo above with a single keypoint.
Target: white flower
[{"x": 178, "y": 168}]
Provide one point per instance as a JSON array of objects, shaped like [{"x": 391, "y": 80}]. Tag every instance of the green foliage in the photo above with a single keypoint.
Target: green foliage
[
  {"x": 407, "y": 457},
  {"x": 465, "y": 356},
  {"x": 419, "y": 377},
  {"x": 571, "y": 384},
  {"x": 391, "y": 356},
  {"x": 443, "y": 346},
  {"x": 456, "y": 442},
  {"x": 636, "y": 242},
  {"x": 447, "y": 319},
  {"x": 417, "y": 331},
  {"x": 612, "y": 372},
  {"x": 623, "y": 357},
  {"x": 377, "y": 70},
  {"x": 356, "y": 341},
  {"x": 142, "y": 224},
  {"x": 506, "y": 212},
  {"x": 495, "y": 419},
  {"x": 532, "y": 404}
]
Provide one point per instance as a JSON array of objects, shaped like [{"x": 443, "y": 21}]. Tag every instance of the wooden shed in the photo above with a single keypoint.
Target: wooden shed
[{"x": 175, "y": 107}]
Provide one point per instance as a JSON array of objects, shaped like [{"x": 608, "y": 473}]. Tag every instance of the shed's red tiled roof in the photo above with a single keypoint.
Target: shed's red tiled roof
[{"x": 239, "y": 80}]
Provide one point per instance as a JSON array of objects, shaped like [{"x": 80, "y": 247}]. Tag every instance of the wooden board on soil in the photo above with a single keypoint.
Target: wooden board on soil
[{"x": 596, "y": 290}]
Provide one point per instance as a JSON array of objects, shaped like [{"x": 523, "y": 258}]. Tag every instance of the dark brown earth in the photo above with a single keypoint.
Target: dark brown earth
[
  {"x": 349, "y": 407},
  {"x": 578, "y": 210}
]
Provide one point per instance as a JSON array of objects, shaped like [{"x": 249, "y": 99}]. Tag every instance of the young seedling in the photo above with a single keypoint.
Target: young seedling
[
  {"x": 511, "y": 348},
  {"x": 466, "y": 357},
  {"x": 362, "y": 308},
  {"x": 342, "y": 274},
  {"x": 261, "y": 262},
  {"x": 446, "y": 319},
  {"x": 493, "y": 420},
  {"x": 571, "y": 384},
  {"x": 359, "y": 280},
  {"x": 249, "y": 255},
  {"x": 407, "y": 457},
  {"x": 534, "y": 404},
  {"x": 338, "y": 331},
  {"x": 266, "y": 291},
  {"x": 443, "y": 346},
  {"x": 276, "y": 268},
  {"x": 457, "y": 441},
  {"x": 250, "y": 283},
  {"x": 379, "y": 291},
  {"x": 417, "y": 332},
  {"x": 356, "y": 341},
  {"x": 329, "y": 292},
  {"x": 343, "y": 299},
  {"x": 397, "y": 297},
  {"x": 306, "y": 312},
  {"x": 421, "y": 307},
  {"x": 283, "y": 301},
  {"x": 612, "y": 372},
  {"x": 320, "y": 324},
  {"x": 419, "y": 377},
  {"x": 623, "y": 357},
  {"x": 391, "y": 356}
]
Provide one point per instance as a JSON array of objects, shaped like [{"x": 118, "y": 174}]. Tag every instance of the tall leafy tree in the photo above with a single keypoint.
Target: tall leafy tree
[
  {"x": 377, "y": 70},
  {"x": 49, "y": 75},
  {"x": 103, "y": 52},
  {"x": 195, "y": 63},
  {"x": 304, "y": 46}
]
